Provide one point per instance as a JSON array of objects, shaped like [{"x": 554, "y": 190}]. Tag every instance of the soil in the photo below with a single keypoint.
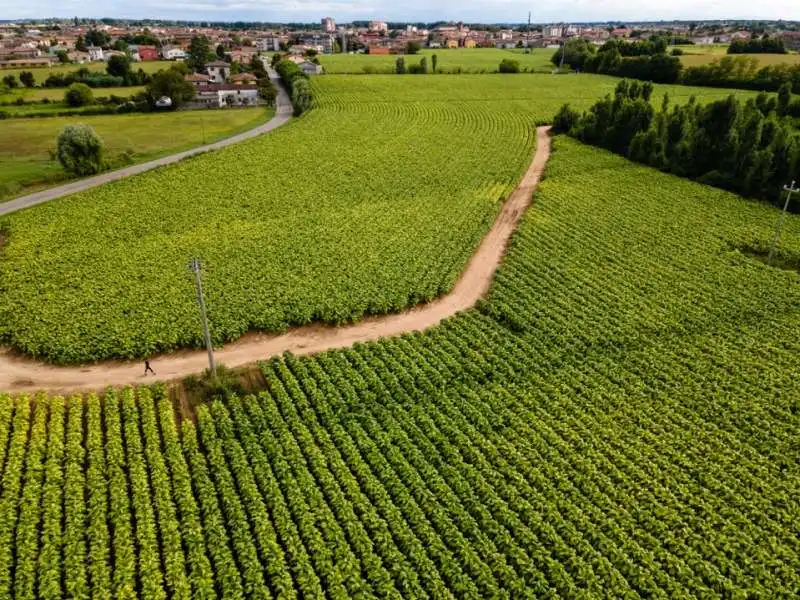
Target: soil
[{"x": 20, "y": 374}]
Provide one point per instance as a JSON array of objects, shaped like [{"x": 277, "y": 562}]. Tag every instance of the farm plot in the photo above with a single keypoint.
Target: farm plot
[
  {"x": 618, "y": 419},
  {"x": 372, "y": 201},
  {"x": 465, "y": 60}
]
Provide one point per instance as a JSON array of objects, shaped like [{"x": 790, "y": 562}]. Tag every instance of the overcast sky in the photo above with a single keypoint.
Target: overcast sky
[{"x": 409, "y": 10}]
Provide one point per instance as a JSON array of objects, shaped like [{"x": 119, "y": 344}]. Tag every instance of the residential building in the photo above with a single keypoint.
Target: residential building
[
  {"x": 378, "y": 26},
  {"x": 243, "y": 55},
  {"x": 220, "y": 95},
  {"x": 269, "y": 43},
  {"x": 244, "y": 78},
  {"x": 19, "y": 52},
  {"x": 553, "y": 31},
  {"x": 95, "y": 53},
  {"x": 218, "y": 71},
  {"x": 172, "y": 53},
  {"x": 470, "y": 43},
  {"x": 321, "y": 43},
  {"x": 147, "y": 53},
  {"x": 791, "y": 39},
  {"x": 310, "y": 68},
  {"x": 77, "y": 56},
  {"x": 21, "y": 63},
  {"x": 328, "y": 25},
  {"x": 197, "y": 79}
]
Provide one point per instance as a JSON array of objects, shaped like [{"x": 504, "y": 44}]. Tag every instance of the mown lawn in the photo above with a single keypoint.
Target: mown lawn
[{"x": 26, "y": 144}]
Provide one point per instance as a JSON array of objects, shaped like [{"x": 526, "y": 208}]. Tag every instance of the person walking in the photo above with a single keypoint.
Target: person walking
[{"x": 147, "y": 367}]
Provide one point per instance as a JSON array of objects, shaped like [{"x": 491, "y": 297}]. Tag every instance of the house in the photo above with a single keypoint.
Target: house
[
  {"x": 310, "y": 68},
  {"x": 470, "y": 43},
  {"x": 95, "y": 53},
  {"x": 19, "y": 52},
  {"x": 242, "y": 55},
  {"x": 172, "y": 53},
  {"x": 78, "y": 57},
  {"x": 791, "y": 39},
  {"x": 197, "y": 79},
  {"x": 244, "y": 78},
  {"x": 451, "y": 44},
  {"x": 147, "y": 53},
  {"x": 379, "y": 51},
  {"x": 218, "y": 71},
  {"x": 22, "y": 63},
  {"x": 507, "y": 45},
  {"x": 220, "y": 95}
]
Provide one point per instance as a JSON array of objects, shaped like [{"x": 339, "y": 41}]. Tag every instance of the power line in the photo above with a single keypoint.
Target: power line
[
  {"x": 194, "y": 266},
  {"x": 790, "y": 189}
]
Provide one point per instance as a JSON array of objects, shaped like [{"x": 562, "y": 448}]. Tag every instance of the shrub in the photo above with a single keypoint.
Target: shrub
[
  {"x": 79, "y": 150},
  {"x": 566, "y": 118},
  {"x": 509, "y": 66},
  {"x": 78, "y": 94},
  {"x": 27, "y": 79}
]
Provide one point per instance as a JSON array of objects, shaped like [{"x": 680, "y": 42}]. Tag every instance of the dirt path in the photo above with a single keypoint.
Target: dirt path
[
  {"x": 23, "y": 374},
  {"x": 282, "y": 115}
]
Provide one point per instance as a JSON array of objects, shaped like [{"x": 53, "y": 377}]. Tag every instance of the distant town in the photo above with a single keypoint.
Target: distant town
[{"x": 44, "y": 43}]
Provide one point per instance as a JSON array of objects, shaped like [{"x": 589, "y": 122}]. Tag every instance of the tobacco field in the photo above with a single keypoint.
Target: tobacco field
[
  {"x": 371, "y": 202},
  {"x": 618, "y": 419}
]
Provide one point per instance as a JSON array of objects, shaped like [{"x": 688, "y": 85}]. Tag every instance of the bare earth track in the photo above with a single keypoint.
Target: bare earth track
[{"x": 18, "y": 374}]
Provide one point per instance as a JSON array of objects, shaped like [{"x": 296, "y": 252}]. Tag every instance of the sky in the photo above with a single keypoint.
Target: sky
[{"x": 491, "y": 11}]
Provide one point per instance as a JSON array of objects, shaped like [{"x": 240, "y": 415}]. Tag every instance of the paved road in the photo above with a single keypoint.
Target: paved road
[{"x": 282, "y": 115}]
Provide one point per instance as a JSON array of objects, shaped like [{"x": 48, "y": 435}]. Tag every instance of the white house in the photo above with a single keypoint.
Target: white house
[
  {"x": 218, "y": 71},
  {"x": 95, "y": 53},
  {"x": 172, "y": 53},
  {"x": 220, "y": 95},
  {"x": 310, "y": 68}
]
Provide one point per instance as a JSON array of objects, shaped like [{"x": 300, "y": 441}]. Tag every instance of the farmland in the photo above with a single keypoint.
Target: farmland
[
  {"x": 25, "y": 144},
  {"x": 41, "y": 74},
  {"x": 617, "y": 419},
  {"x": 451, "y": 150},
  {"x": 464, "y": 60}
]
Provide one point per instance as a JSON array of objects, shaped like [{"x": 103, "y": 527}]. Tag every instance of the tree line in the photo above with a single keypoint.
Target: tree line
[
  {"x": 749, "y": 147},
  {"x": 648, "y": 61}
]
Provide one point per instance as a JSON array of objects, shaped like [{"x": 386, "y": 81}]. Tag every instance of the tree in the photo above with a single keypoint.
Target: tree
[
  {"x": 434, "y": 62},
  {"x": 423, "y": 65},
  {"x": 80, "y": 44},
  {"x": 78, "y": 94},
  {"x": 95, "y": 37},
  {"x": 508, "y": 65},
  {"x": 267, "y": 91},
  {"x": 784, "y": 98},
  {"x": 80, "y": 150},
  {"x": 199, "y": 53},
  {"x": 119, "y": 65},
  {"x": 10, "y": 81},
  {"x": 120, "y": 45},
  {"x": 27, "y": 79},
  {"x": 170, "y": 83},
  {"x": 63, "y": 57},
  {"x": 220, "y": 52},
  {"x": 413, "y": 48},
  {"x": 400, "y": 66}
]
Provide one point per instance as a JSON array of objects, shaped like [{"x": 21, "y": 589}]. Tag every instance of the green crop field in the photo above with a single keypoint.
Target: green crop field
[
  {"x": 25, "y": 144},
  {"x": 396, "y": 179},
  {"x": 619, "y": 419},
  {"x": 463, "y": 60},
  {"x": 695, "y": 60},
  {"x": 41, "y": 74}
]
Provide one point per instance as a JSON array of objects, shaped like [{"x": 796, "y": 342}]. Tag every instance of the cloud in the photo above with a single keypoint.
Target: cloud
[{"x": 410, "y": 10}]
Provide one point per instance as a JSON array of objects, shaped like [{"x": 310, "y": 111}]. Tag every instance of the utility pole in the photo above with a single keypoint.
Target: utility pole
[
  {"x": 790, "y": 189},
  {"x": 194, "y": 266},
  {"x": 528, "y": 42}
]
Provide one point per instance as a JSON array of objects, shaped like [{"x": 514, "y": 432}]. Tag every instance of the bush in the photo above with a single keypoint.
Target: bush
[
  {"x": 10, "y": 82},
  {"x": 566, "y": 118},
  {"x": 208, "y": 387},
  {"x": 301, "y": 96},
  {"x": 27, "y": 79},
  {"x": 677, "y": 52},
  {"x": 509, "y": 66},
  {"x": 79, "y": 150},
  {"x": 78, "y": 94}
]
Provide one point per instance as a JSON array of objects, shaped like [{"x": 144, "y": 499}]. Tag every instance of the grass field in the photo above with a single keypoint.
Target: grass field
[
  {"x": 695, "y": 56},
  {"x": 395, "y": 178},
  {"x": 618, "y": 420},
  {"x": 56, "y": 95},
  {"x": 472, "y": 60},
  {"x": 25, "y": 144},
  {"x": 41, "y": 74}
]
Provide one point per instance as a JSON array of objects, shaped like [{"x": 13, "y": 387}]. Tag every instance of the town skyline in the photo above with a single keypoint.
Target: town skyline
[{"x": 510, "y": 11}]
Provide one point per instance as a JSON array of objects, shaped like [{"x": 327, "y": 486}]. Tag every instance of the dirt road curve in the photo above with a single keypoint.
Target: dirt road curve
[
  {"x": 21, "y": 374},
  {"x": 282, "y": 115}
]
